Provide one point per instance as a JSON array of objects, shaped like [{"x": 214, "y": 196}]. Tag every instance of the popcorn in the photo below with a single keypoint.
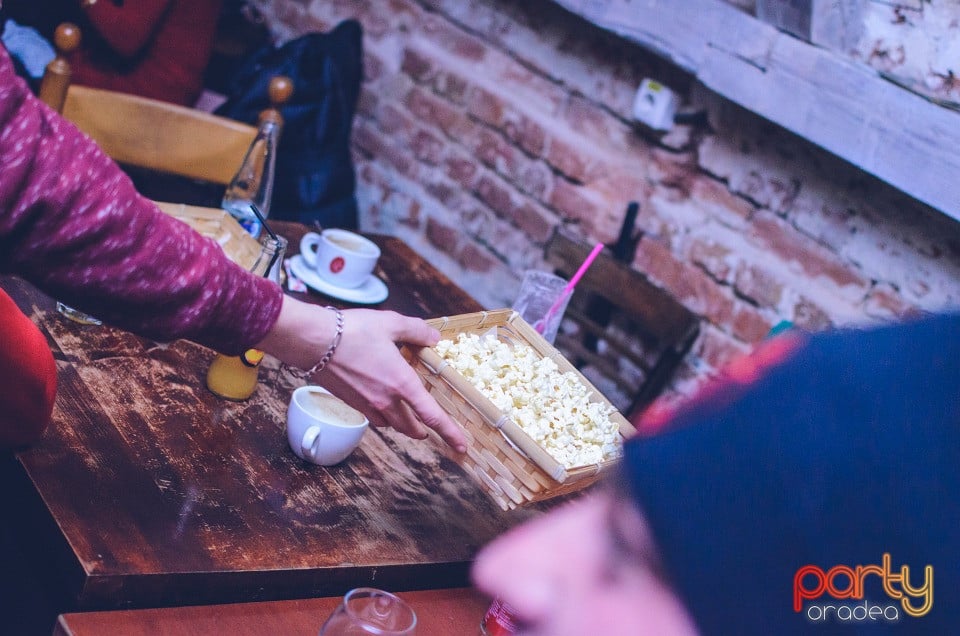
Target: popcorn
[{"x": 552, "y": 407}]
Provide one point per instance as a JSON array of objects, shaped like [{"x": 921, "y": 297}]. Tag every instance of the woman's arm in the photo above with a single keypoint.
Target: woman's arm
[{"x": 72, "y": 223}]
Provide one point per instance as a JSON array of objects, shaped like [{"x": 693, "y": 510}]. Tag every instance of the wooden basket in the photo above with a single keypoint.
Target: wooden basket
[
  {"x": 507, "y": 463},
  {"x": 239, "y": 245}
]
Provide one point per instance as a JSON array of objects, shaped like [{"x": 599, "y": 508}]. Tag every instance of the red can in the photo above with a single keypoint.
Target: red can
[{"x": 500, "y": 620}]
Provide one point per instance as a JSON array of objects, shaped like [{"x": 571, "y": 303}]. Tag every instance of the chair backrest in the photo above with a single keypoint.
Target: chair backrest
[
  {"x": 149, "y": 133},
  {"x": 628, "y": 331}
]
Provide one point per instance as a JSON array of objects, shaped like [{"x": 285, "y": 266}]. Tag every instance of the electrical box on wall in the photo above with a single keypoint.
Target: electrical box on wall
[{"x": 655, "y": 105}]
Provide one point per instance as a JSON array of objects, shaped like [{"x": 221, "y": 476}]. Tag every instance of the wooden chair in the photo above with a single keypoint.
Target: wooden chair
[
  {"x": 627, "y": 330},
  {"x": 151, "y": 134}
]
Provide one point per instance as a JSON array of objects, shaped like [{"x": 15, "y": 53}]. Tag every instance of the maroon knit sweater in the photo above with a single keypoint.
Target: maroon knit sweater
[{"x": 72, "y": 224}]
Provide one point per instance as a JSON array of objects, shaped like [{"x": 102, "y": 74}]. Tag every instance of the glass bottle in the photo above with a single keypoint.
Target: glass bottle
[
  {"x": 235, "y": 377},
  {"x": 253, "y": 182}
]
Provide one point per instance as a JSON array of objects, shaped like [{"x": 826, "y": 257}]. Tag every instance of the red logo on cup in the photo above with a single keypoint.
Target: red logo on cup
[{"x": 337, "y": 264}]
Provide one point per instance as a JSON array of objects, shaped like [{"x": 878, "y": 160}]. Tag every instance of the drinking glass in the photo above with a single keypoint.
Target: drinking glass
[
  {"x": 366, "y": 610},
  {"x": 538, "y": 293}
]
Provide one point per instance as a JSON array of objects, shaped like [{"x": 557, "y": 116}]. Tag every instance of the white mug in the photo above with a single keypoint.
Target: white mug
[
  {"x": 341, "y": 257},
  {"x": 321, "y": 428}
]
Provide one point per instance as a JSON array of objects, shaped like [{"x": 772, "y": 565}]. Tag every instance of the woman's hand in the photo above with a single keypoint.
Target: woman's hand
[{"x": 367, "y": 370}]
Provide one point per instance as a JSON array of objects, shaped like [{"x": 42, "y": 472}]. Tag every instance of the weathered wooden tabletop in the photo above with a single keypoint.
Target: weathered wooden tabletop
[{"x": 148, "y": 490}]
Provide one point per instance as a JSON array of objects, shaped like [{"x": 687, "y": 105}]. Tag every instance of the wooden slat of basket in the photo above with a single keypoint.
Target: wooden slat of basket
[
  {"x": 475, "y": 455},
  {"x": 492, "y": 488},
  {"x": 495, "y": 463},
  {"x": 505, "y": 456},
  {"x": 508, "y": 489},
  {"x": 481, "y": 439},
  {"x": 544, "y": 480},
  {"x": 510, "y": 468},
  {"x": 482, "y": 464}
]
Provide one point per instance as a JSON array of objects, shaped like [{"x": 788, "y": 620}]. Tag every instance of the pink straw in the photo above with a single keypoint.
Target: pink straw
[
  {"x": 583, "y": 268},
  {"x": 568, "y": 289}
]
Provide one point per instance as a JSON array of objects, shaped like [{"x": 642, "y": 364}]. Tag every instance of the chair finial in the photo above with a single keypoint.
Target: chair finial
[
  {"x": 280, "y": 91},
  {"x": 66, "y": 38},
  {"x": 56, "y": 77}
]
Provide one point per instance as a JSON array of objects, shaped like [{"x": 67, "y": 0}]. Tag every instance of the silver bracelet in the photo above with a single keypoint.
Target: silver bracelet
[{"x": 333, "y": 344}]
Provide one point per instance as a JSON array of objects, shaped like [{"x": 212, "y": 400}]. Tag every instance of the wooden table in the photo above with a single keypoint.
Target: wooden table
[
  {"x": 455, "y": 612},
  {"x": 150, "y": 491}
]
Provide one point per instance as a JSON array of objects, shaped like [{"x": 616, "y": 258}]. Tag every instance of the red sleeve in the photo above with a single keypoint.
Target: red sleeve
[
  {"x": 29, "y": 375},
  {"x": 72, "y": 223},
  {"x": 129, "y": 27}
]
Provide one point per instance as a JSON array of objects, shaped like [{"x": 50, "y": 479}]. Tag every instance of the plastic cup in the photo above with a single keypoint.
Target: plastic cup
[{"x": 538, "y": 292}]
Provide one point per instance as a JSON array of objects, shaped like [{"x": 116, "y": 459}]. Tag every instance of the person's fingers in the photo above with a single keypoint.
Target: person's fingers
[
  {"x": 430, "y": 413},
  {"x": 401, "y": 419},
  {"x": 375, "y": 409},
  {"x": 410, "y": 410},
  {"x": 409, "y": 420},
  {"x": 413, "y": 331},
  {"x": 381, "y": 409}
]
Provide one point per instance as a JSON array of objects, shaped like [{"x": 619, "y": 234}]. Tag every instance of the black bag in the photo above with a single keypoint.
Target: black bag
[{"x": 314, "y": 181}]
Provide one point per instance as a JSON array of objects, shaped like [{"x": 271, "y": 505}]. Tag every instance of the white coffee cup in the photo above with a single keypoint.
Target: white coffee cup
[
  {"x": 341, "y": 257},
  {"x": 321, "y": 428}
]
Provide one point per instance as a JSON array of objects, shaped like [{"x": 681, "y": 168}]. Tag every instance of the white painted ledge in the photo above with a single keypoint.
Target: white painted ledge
[{"x": 843, "y": 106}]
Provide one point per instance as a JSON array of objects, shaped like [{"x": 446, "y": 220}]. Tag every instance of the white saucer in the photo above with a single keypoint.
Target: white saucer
[{"x": 371, "y": 292}]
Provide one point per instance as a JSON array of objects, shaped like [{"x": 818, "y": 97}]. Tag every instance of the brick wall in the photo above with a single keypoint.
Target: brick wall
[{"x": 485, "y": 124}]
